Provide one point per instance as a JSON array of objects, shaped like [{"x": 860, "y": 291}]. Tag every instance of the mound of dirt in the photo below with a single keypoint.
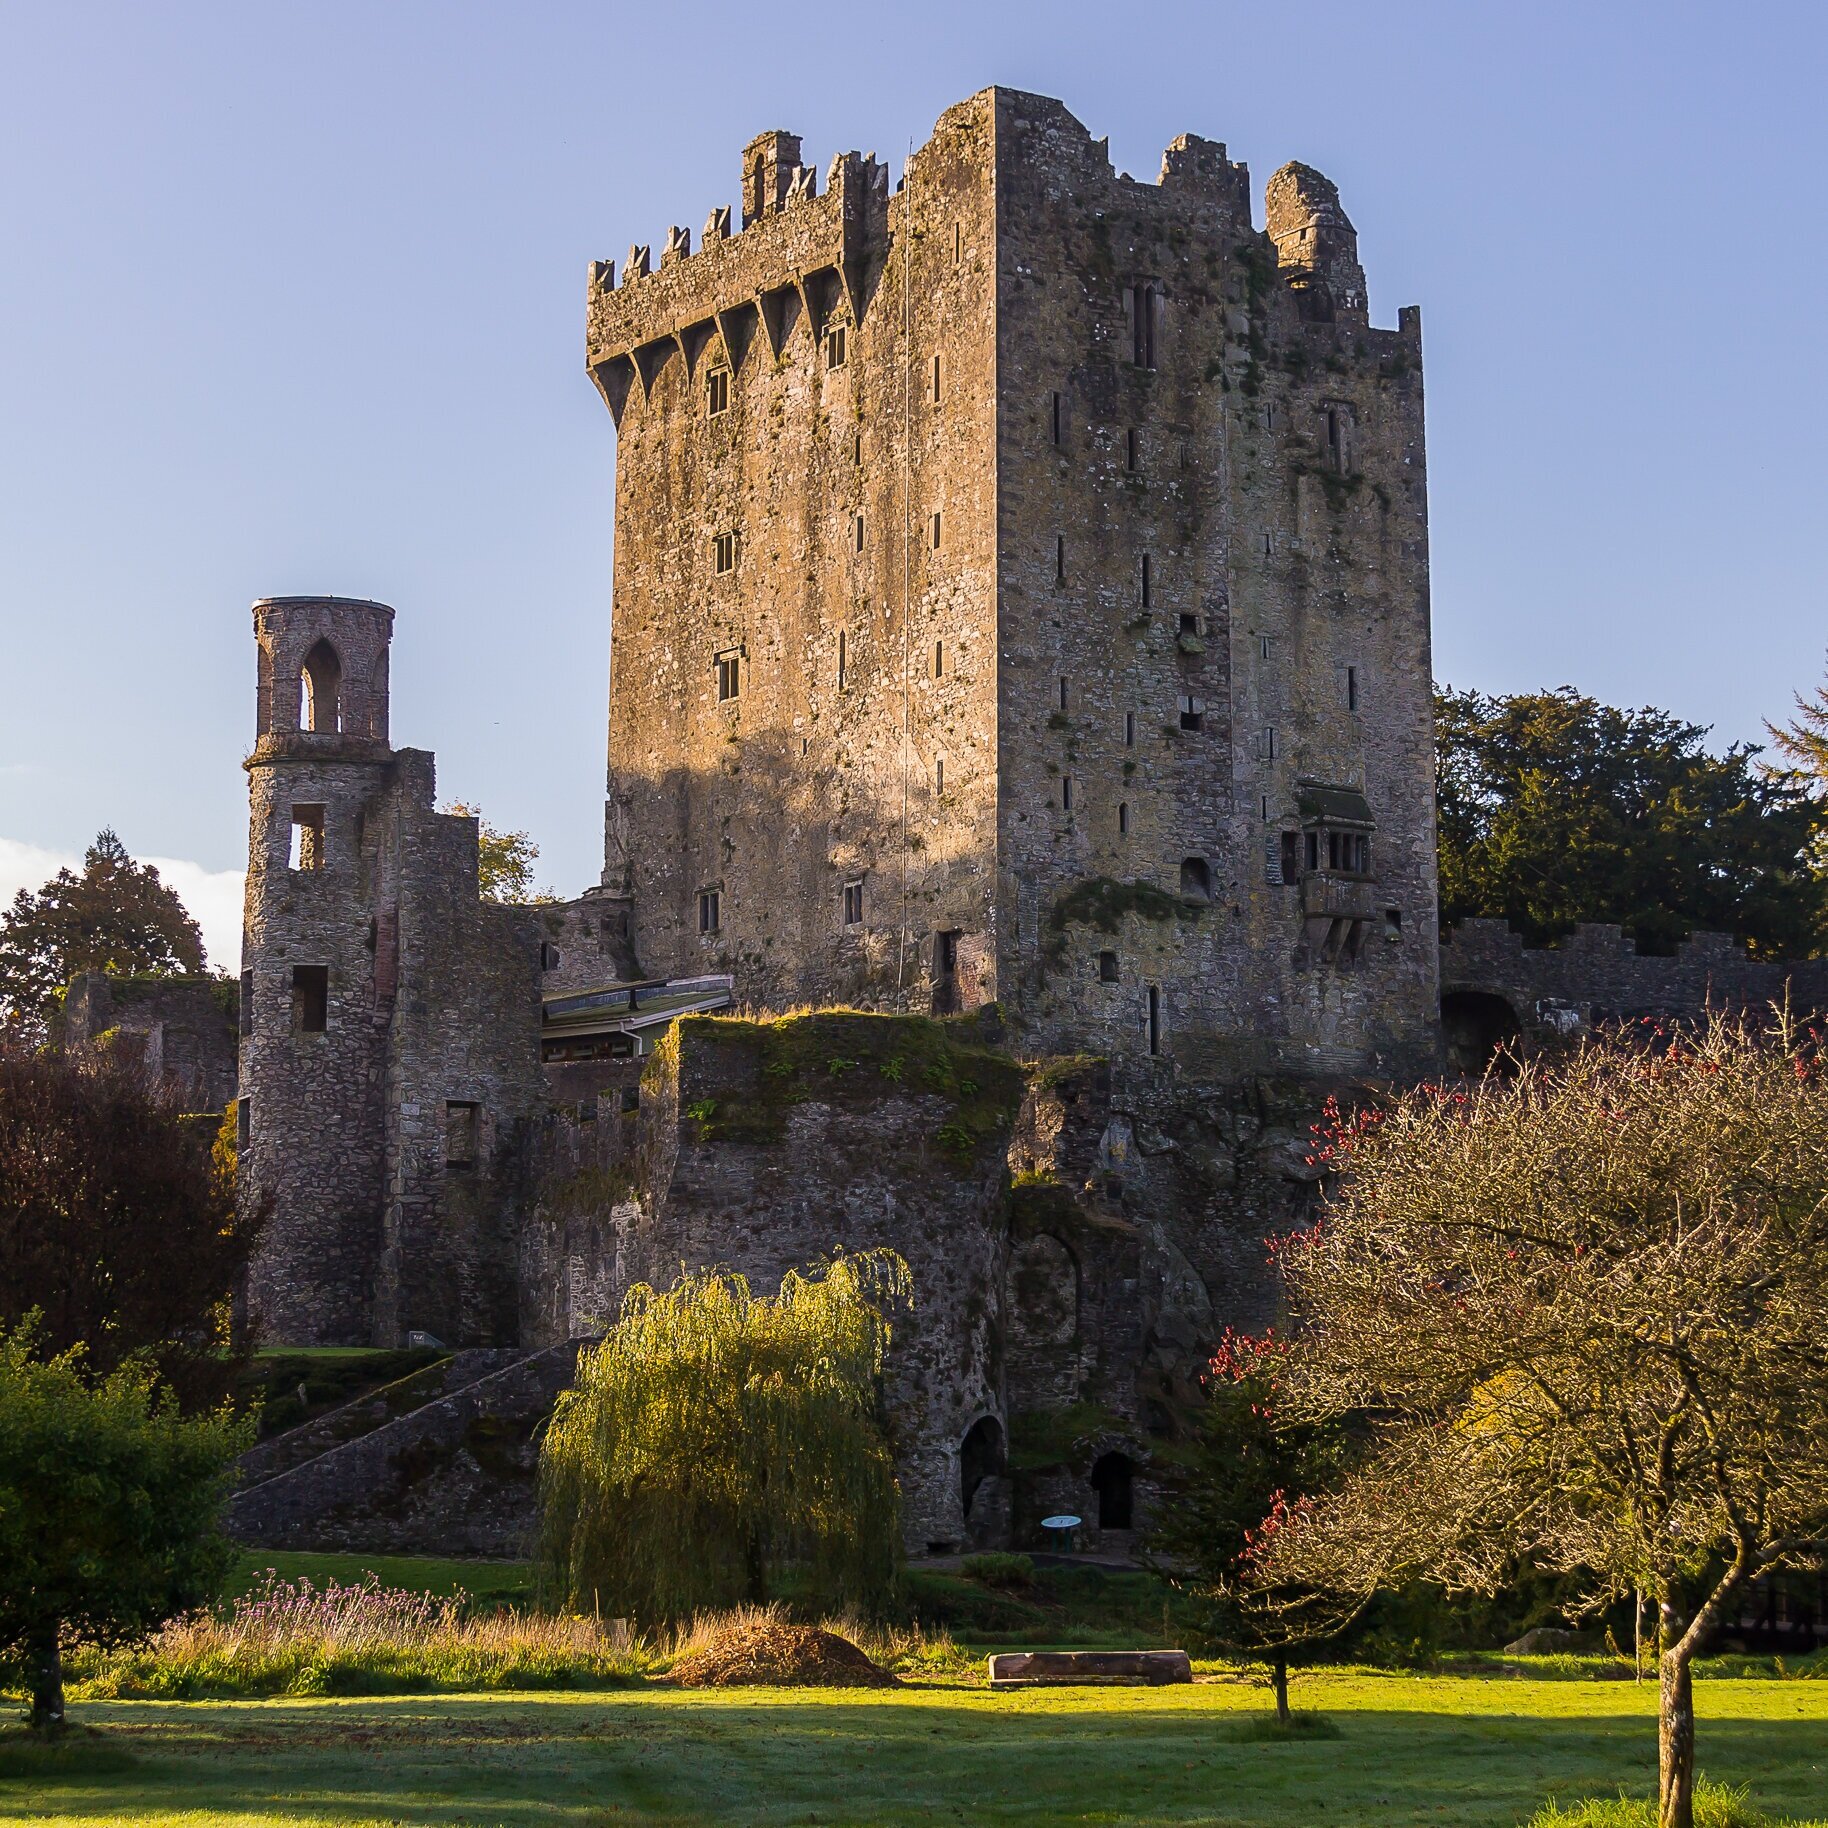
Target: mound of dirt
[{"x": 770, "y": 1653}]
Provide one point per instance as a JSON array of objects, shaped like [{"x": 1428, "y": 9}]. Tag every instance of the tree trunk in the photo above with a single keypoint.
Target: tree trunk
[
  {"x": 1675, "y": 1742},
  {"x": 46, "y": 1657},
  {"x": 1278, "y": 1675},
  {"x": 755, "y": 1571}
]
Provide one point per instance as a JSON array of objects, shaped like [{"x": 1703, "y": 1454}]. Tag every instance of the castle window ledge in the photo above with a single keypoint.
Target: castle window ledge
[{"x": 1336, "y": 898}]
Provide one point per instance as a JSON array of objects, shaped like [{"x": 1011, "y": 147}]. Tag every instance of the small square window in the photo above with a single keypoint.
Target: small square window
[
  {"x": 462, "y": 1121},
  {"x": 310, "y": 999},
  {"x": 1107, "y": 968},
  {"x": 717, "y": 390},
  {"x": 1193, "y": 713},
  {"x": 729, "y": 675},
  {"x": 834, "y": 346},
  {"x": 710, "y": 911},
  {"x": 723, "y": 552},
  {"x": 853, "y": 904}
]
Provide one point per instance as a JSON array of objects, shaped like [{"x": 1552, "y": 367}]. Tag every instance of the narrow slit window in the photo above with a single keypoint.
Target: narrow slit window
[
  {"x": 1142, "y": 326},
  {"x": 723, "y": 552},
  {"x": 853, "y": 904},
  {"x": 1266, "y": 743},
  {"x": 1063, "y": 692},
  {"x": 857, "y": 532},
  {"x": 310, "y": 999},
  {"x": 958, "y": 243},
  {"x": 1263, "y": 647},
  {"x": 1056, "y": 416},
  {"x": 244, "y": 1123},
  {"x": 939, "y": 776},
  {"x": 307, "y": 838},
  {"x": 834, "y": 346},
  {"x": 717, "y": 391},
  {"x": 1155, "y": 1018},
  {"x": 935, "y": 529},
  {"x": 1123, "y": 818},
  {"x": 1129, "y": 449},
  {"x": 856, "y": 447},
  {"x": 729, "y": 675},
  {"x": 843, "y": 661},
  {"x": 1263, "y": 808},
  {"x": 939, "y": 659},
  {"x": 1144, "y": 584},
  {"x": 1066, "y": 793},
  {"x": 1291, "y": 856},
  {"x": 1129, "y": 729},
  {"x": 710, "y": 910},
  {"x": 1060, "y": 558},
  {"x": 1351, "y": 688},
  {"x": 936, "y": 380}
]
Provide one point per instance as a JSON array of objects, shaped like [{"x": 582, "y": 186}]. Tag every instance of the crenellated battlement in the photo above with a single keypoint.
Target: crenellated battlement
[{"x": 801, "y": 252}]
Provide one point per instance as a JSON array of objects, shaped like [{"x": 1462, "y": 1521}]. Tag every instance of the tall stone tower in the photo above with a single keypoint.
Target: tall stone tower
[
  {"x": 390, "y": 1018},
  {"x": 317, "y": 973},
  {"x": 1021, "y": 593}
]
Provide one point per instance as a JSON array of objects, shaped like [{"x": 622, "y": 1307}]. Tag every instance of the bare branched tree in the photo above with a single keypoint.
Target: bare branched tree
[{"x": 1586, "y": 1307}]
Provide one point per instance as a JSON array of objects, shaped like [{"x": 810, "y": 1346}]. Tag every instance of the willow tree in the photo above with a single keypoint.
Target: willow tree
[
  {"x": 1586, "y": 1307},
  {"x": 715, "y": 1437}
]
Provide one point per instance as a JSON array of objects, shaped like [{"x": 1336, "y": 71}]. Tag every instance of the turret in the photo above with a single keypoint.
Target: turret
[
  {"x": 769, "y": 163},
  {"x": 319, "y": 966},
  {"x": 1316, "y": 246}
]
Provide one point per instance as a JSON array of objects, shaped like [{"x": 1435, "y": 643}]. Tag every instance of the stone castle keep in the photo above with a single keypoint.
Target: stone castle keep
[{"x": 1021, "y": 618}]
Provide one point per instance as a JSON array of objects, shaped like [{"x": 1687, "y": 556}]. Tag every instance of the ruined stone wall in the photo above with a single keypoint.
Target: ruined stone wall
[
  {"x": 1214, "y": 592},
  {"x": 1596, "y": 975},
  {"x": 823, "y": 769},
  {"x": 181, "y": 1032}
]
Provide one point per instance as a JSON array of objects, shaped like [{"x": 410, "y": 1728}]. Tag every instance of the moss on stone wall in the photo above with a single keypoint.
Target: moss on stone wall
[{"x": 744, "y": 1076}]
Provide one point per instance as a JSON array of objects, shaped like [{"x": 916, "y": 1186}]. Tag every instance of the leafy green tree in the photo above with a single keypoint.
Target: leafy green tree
[
  {"x": 116, "y": 916},
  {"x": 1225, "y": 1495},
  {"x": 1556, "y": 809},
  {"x": 716, "y": 1437},
  {"x": 1804, "y": 741},
  {"x": 118, "y": 1221},
  {"x": 504, "y": 861},
  {"x": 1580, "y": 1311},
  {"x": 108, "y": 1506}
]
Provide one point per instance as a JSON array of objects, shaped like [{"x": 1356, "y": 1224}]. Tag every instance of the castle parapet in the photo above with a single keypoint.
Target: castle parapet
[{"x": 799, "y": 253}]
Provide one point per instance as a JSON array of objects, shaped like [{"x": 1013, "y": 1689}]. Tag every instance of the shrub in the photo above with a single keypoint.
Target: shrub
[{"x": 1715, "y": 1807}]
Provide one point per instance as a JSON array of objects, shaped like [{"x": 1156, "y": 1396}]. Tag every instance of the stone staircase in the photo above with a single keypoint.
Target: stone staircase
[{"x": 443, "y": 1462}]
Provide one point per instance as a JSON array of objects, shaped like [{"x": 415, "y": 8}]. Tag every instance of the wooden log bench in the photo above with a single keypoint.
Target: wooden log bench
[{"x": 1109, "y": 1668}]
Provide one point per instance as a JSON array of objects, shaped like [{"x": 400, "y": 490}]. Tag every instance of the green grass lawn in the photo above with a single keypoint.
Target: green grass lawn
[
  {"x": 507, "y": 1582},
  {"x": 1412, "y": 1749}
]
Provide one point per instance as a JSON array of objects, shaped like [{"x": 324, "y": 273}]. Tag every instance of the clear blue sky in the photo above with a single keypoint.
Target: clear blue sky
[{"x": 291, "y": 299}]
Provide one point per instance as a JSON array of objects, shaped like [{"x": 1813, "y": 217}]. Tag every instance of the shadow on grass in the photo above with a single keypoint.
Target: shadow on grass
[
  {"x": 1266, "y": 1729},
  {"x": 80, "y": 1753}
]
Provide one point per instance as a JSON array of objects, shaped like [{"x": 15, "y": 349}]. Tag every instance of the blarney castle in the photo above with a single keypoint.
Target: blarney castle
[{"x": 1021, "y": 631}]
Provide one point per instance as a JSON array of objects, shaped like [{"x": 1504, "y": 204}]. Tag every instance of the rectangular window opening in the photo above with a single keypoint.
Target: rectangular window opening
[
  {"x": 843, "y": 660},
  {"x": 723, "y": 552},
  {"x": 244, "y": 1123},
  {"x": 1266, "y": 743},
  {"x": 936, "y": 380},
  {"x": 1063, "y": 693},
  {"x": 710, "y": 910},
  {"x": 1263, "y": 647},
  {"x": 958, "y": 243},
  {"x": 939, "y": 776},
  {"x": 1351, "y": 688},
  {"x": 1193, "y": 713},
  {"x": 1144, "y": 592},
  {"x": 717, "y": 391},
  {"x": 853, "y": 904},
  {"x": 856, "y": 447},
  {"x": 1155, "y": 1019},
  {"x": 1060, "y": 558},
  {"x": 936, "y": 530},
  {"x": 729, "y": 675},
  {"x": 1129, "y": 449},
  {"x": 307, "y": 838},
  {"x": 939, "y": 659},
  {"x": 834, "y": 346},
  {"x": 1190, "y": 623},
  {"x": 1123, "y": 818},
  {"x": 462, "y": 1121},
  {"x": 1393, "y": 923},
  {"x": 1129, "y": 729},
  {"x": 1066, "y": 793},
  {"x": 310, "y": 999},
  {"x": 1056, "y": 417},
  {"x": 1107, "y": 968},
  {"x": 1291, "y": 856}
]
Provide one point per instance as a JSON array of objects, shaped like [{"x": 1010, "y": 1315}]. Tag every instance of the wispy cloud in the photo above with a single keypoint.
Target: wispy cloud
[{"x": 212, "y": 896}]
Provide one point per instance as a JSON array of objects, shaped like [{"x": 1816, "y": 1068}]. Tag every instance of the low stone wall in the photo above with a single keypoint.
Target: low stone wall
[{"x": 454, "y": 1477}]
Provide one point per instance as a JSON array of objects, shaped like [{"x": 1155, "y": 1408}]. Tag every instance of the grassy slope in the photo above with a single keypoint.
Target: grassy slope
[
  {"x": 510, "y": 1582},
  {"x": 1414, "y": 1750}
]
